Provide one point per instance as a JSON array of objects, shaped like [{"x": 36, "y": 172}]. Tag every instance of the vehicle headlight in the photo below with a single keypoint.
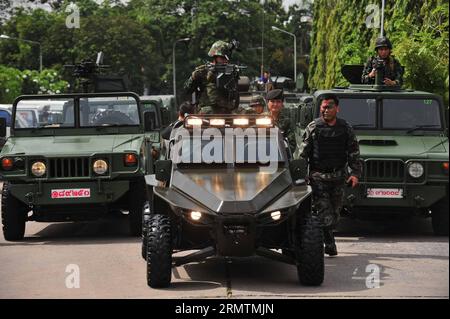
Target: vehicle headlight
[
  {"x": 38, "y": 169},
  {"x": 415, "y": 170},
  {"x": 100, "y": 167}
]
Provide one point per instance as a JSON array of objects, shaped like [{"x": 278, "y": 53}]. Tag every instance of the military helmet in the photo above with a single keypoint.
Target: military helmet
[
  {"x": 383, "y": 42},
  {"x": 220, "y": 48},
  {"x": 257, "y": 100}
]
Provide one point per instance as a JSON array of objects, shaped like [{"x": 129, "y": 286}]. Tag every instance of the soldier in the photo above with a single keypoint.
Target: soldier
[
  {"x": 280, "y": 116},
  {"x": 212, "y": 99},
  {"x": 330, "y": 146},
  {"x": 257, "y": 104},
  {"x": 388, "y": 67}
]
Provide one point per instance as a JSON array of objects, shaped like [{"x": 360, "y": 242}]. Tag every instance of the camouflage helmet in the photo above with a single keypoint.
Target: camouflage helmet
[
  {"x": 257, "y": 100},
  {"x": 383, "y": 42},
  {"x": 220, "y": 48}
]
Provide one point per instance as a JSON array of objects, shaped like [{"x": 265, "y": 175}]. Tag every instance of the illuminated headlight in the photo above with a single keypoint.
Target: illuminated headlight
[
  {"x": 217, "y": 122},
  {"x": 196, "y": 215},
  {"x": 194, "y": 122},
  {"x": 265, "y": 121},
  {"x": 100, "y": 167},
  {"x": 275, "y": 215},
  {"x": 38, "y": 169},
  {"x": 240, "y": 121},
  {"x": 415, "y": 170}
]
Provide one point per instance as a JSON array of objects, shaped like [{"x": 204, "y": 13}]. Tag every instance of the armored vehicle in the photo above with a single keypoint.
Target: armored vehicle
[
  {"x": 230, "y": 188},
  {"x": 85, "y": 161},
  {"x": 403, "y": 138}
]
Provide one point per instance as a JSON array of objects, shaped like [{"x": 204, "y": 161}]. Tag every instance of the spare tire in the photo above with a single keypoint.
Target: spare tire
[{"x": 112, "y": 117}]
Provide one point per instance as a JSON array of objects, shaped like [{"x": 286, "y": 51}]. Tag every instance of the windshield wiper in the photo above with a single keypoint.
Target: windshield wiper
[{"x": 418, "y": 127}]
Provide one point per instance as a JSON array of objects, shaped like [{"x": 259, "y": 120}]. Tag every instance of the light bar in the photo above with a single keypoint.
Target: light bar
[
  {"x": 240, "y": 121},
  {"x": 194, "y": 122},
  {"x": 265, "y": 121},
  {"x": 217, "y": 122}
]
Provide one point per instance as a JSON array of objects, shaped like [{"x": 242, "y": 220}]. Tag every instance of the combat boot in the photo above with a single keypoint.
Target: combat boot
[{"x": 330, "y": 243}]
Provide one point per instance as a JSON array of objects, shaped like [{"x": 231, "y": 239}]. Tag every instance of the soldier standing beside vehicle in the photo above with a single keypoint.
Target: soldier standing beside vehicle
[
  {"x": 211, "y": 98},
  {"x": 329, "y": 146},
  {"x": 383, "y": 69},
  {"x": 280, "y": 116}
]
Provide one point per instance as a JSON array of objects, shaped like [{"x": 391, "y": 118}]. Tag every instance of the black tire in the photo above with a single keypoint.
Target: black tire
[
  {"x": 159, "y": 252},
  {"x": 137, "y": 199},
  {"x": 439, "y": 217},
  {"x": 310, "y": 253},
  {"x": 14, "y": 215},
  {"x": 112, "y": 117}
]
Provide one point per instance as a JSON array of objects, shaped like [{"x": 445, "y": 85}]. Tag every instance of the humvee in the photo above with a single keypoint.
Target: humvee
[
  {"x": 403, "y": 138},
  {"x": 222, "y": 196},
  {"x": 87, "y": 162}
]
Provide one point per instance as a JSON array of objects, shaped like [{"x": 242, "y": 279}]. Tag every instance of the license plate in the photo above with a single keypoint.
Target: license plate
[
  {"x": 71, "y": 193},
  {"x": 385, "y": 193}
]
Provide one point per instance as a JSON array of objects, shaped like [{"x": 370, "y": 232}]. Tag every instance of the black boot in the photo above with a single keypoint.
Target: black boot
[{"x": 330, "y": 244}]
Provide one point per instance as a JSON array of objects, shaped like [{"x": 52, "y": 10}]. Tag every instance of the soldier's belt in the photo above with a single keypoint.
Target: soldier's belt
[{"x": 328, "y": 175}]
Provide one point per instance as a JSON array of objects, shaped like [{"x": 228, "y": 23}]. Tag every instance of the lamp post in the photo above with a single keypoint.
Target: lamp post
[
  {"x": 174, "y": 66},
  {"x": 295, "y": 51},
  {"x": 3, "y": 36}
]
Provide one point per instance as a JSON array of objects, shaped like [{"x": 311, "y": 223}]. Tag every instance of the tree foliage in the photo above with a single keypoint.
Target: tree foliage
[{"x": 417, "y": 29}]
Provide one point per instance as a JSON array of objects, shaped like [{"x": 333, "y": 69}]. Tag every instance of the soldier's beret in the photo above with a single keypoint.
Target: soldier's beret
[{"x": 276, "y": 94}]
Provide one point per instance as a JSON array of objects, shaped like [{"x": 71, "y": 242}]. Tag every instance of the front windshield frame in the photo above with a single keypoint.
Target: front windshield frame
[{"x": 76, "y": 101}]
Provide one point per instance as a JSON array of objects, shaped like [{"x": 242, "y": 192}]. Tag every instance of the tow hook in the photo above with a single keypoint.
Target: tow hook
[
  {"x": 351, "y": 200},
  {"x": 30, "y": 198}
]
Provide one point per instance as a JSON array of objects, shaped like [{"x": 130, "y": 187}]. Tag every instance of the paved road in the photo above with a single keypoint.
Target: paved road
[{"x": 410, "y": 261}]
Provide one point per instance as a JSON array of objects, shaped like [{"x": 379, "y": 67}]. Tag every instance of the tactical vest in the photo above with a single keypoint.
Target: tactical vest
[{"x": 329, "y": 146}]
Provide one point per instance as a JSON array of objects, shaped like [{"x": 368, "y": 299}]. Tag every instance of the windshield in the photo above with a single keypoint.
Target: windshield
[
  {"x": 241, "y": 150},
  {"x": 360, "y": 113},
  {"x": 42, "y": 113},
  {"x": 410, "y": 114},
  {"x": 110, "y": 111}
]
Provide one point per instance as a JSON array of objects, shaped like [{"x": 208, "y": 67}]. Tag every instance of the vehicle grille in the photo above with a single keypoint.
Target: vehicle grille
[
  {"x": 68, "y": 167},
  {"x": 384, "y": 171}
]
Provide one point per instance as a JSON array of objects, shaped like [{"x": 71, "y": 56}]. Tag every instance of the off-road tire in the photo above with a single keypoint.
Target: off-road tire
[
  {"x": 159, "y": 252},
  {"x": 137, "y": 199},
  {"x": 439, "y": 217},
  {"x": 14, "y": 215},
  {"x": 309, "y": 252},
  {"x": 112, "y": 117}
]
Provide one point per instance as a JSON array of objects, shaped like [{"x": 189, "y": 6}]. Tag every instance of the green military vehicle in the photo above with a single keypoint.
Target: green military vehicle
[
  {"x": 85, "y": 163},
  {"x": 403, "y": 138},
  {"x": 234, "y": 195}
]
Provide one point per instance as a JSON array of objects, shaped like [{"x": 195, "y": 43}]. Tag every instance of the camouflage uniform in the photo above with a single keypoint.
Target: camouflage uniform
[
  {"x": 392, "y": 68},
  {"x": 328, "y": 185},
  {"x": 283, "y": 122},
  {"x": 211, "y": 100}
]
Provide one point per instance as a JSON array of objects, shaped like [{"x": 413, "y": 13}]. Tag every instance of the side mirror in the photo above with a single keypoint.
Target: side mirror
[
  {"x": 163, "y": 170},
  {"x": 2, "y": 127},
  {"x": 149, "y": 121},
  {"x": 299, "y": 170},
  {"x": 165, "y": 117}
]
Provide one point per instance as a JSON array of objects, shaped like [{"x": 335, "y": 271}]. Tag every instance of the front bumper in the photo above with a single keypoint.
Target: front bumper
[
  {"x": 413, "y": 196},
  {"x": 89, "y": 192}
]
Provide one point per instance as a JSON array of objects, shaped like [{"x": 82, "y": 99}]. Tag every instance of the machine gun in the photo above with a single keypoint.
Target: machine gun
[
  {"x": 380, "y": 66},
  {"x": 90, "y": 73}
]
